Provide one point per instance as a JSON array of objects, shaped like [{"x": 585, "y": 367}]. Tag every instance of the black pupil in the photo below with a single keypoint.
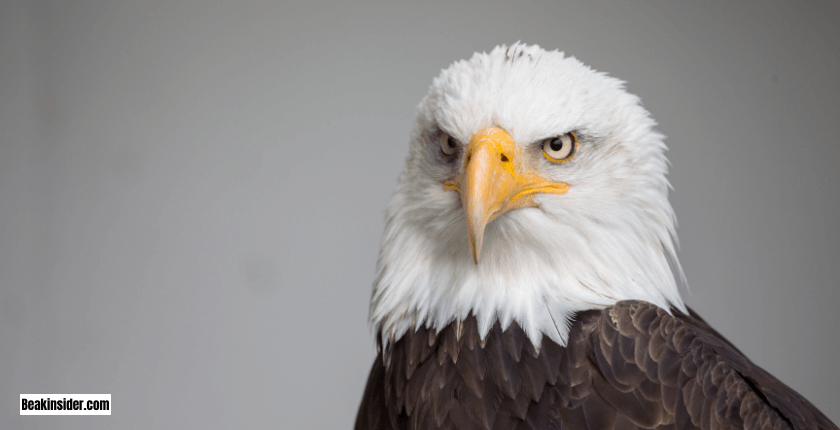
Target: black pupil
[
  {"x": 450, "y": 142},
  {"x": 556, "y": 144}
]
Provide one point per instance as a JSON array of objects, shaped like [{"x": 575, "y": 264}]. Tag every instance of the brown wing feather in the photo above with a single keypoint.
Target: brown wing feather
[
  {"x": 373, "y": 413},
  {"x": 704, "y": 381},
  {"x": 630, "y": 366}
]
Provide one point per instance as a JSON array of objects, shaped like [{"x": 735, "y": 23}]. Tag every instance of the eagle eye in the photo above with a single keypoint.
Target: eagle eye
[
  {"x": 448, "y": 145},
  {"x": 561, "y": 148}
]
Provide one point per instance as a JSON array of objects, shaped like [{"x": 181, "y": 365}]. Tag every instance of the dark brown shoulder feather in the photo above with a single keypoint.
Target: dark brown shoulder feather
[
  {"x": 703, "y": 381},
  {"x": 373, "y": 413},
  {"x": 630, "y": 366}
]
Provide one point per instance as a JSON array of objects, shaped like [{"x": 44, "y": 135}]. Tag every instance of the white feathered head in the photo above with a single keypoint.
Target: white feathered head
[{"x": 534, "y": 188}]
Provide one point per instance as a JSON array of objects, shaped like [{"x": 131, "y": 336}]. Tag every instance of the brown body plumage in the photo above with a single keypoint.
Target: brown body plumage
[{"x": 629, "y": 366}]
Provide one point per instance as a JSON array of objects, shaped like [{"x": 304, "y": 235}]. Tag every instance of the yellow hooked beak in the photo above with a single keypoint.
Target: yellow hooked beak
[{"x": 495, "y": 180}]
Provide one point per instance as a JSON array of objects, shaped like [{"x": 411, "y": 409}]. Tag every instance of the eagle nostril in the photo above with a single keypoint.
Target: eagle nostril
[{"x": 504, "y": 158}]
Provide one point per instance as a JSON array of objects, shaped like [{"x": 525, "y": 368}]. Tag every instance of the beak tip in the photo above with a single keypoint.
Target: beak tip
[{"x": 475, "y": 249}]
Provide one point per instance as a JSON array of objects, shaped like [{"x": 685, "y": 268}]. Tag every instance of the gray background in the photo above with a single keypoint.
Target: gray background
[{"x": 192, "y": 194}]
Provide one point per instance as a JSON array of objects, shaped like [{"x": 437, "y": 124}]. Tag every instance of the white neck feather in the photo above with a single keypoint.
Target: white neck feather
[{"x": 533, "y": 270}]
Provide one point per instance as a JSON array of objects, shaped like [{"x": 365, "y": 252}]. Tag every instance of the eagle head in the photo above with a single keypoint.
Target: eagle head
[{"x": 534, "y": 188}]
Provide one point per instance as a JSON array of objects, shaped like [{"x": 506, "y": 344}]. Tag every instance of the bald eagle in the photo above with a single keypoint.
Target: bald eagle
[{"x": 527, "y": 277}]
